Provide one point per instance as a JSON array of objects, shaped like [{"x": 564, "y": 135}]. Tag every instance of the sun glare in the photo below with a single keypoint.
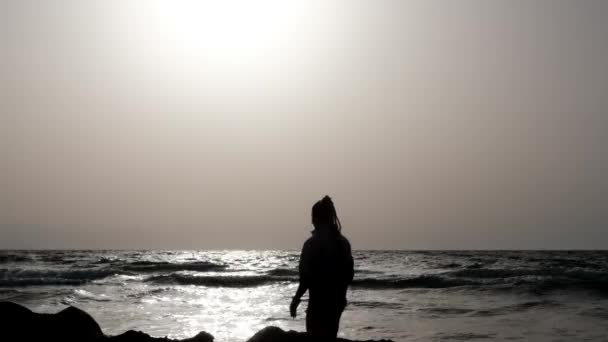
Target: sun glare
[{"x": 228, "y": 33}]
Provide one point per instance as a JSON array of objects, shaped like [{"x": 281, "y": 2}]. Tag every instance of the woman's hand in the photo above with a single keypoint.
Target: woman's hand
[{"x": 293, "y": 308}]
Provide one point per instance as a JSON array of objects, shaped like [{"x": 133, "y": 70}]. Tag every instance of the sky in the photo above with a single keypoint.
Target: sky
[{"x": 473, "y": 124}]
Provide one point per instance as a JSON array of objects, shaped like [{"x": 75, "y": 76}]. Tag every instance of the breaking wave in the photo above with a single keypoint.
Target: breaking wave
[
  {"x": 283, "y": 272},
  {"x": 425, "y": 281},
  {"x": 5, "y": 258},
  {"x": 257, "y": 280},
  {"x": 534, "y": 272},
  {"x": 12, "y": 277},
  {"x": 151, "y": 266},
  {"x": 218, "y": 281}
]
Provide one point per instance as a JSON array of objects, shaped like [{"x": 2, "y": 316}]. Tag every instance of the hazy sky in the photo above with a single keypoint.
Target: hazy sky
[{"x": 183, "y": 124}]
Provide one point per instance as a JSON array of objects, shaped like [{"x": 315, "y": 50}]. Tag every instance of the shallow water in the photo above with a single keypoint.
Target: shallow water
[{"x": 401, "y": 295}]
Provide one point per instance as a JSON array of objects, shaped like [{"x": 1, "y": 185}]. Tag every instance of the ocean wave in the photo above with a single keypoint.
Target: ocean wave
[
  {"x": 104, "y": 261},
  {"x": 148, "y": 292},
  {"x": 83, "y": 295},
  {"x": 573, "y": 263},
  {"x": 5, "y": 291},
  {"x": 20, "y": 277},
  {"x": 488, "y": 273},
  {"x": 599, "y": 285},
  {"x": 5, "y": 258},
  {"x": 119, "y": 279},
  {"x": 6, "y": 294},
  {"x": 366, "y": 271},
  {"x": 464, "y": 336},
  {"x": 58, "y": 258},
  {"x": 535, "y": 272},
  {"x": 40, "y": 282},
  {"x": 537, "y": 280},
  {"x": 597, "y": 312},
  {"x": 163, "y": 266},
  {"x": 503, "y": 310},
  {"x": 283, "y": 272},
  {"x": 257, "y": 280},
  {"x": 369, "y": 304},
  {"x": 445, "y": 311},
  {"x": 485, "y": 273},
  {"x": 218, "y": 281},
  {"x": 424, "y": 281}
]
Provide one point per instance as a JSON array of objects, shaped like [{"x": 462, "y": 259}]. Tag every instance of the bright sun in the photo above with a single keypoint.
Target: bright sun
[{"x": 228, "y": 32}]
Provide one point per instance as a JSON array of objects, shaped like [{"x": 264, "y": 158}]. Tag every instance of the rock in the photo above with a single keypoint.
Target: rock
[
  {"x": 200, "y": 337},
  {"x": 74, "y": 325},
  {"x": 138, "y": 336},
  {"x": 275, "y": 334},
  {"x": 17, "y": 322},
  {"x": 71, "y": 324}
]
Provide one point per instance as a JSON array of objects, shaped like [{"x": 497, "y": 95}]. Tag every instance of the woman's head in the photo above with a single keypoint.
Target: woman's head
[{"x": 324, "y": 215}]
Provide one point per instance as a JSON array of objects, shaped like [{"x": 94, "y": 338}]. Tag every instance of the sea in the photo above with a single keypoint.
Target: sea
[{"x": 398, "y": 295}]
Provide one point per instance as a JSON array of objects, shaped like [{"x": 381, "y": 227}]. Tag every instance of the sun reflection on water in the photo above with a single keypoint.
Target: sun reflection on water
[{"x": 227, "y": 313}]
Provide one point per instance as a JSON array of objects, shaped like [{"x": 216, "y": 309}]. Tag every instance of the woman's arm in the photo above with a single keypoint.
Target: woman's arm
[
  {"x": 304, "y": 270},
  {"x": 301, "y": 290},
  {"x": 295, "y": 301}
]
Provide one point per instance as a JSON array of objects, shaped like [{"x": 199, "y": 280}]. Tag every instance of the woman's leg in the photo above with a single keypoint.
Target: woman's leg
[
  {"x": 333, "y": 324},
  {"x": 325, "y": 324}
]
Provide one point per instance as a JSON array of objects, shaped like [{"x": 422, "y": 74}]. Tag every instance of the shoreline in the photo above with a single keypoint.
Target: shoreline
[{"x": 73, "y": 324}]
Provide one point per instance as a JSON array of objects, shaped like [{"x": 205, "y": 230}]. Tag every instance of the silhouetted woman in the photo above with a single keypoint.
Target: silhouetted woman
[{"x": 326, "y": 270}]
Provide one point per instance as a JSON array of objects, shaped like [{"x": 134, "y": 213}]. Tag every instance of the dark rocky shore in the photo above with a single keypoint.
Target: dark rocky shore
[{"x": 72, "y": 324}]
